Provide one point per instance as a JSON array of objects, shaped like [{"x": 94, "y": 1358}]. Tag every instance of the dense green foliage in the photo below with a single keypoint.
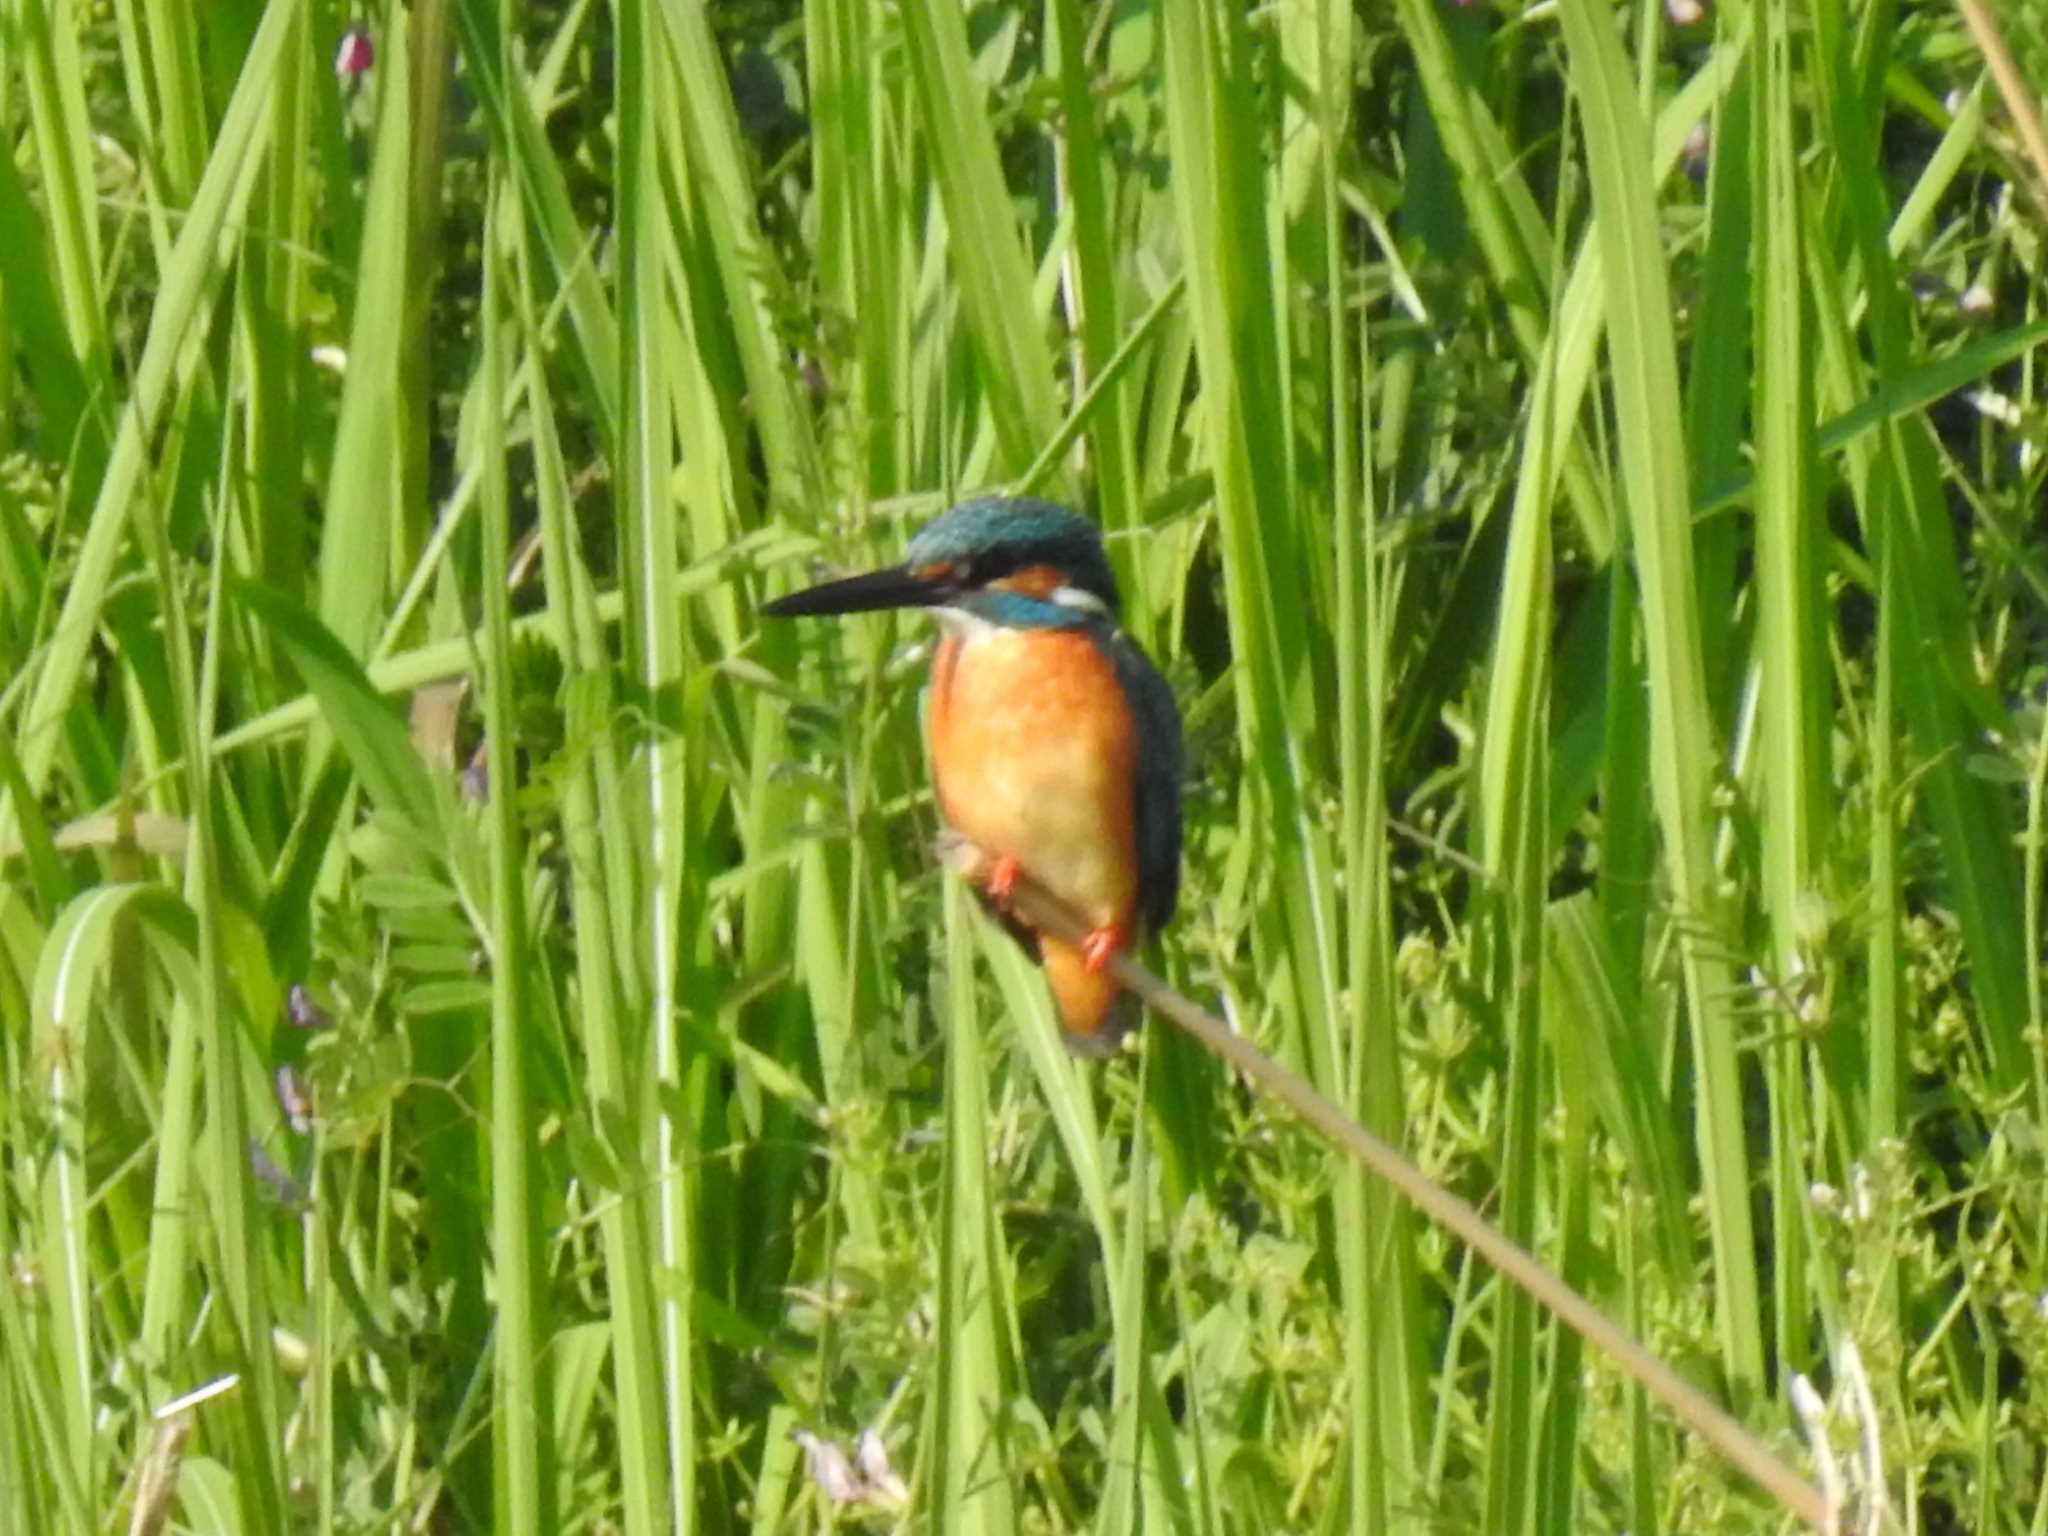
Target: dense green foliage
[{"x": 465, "y": 977}]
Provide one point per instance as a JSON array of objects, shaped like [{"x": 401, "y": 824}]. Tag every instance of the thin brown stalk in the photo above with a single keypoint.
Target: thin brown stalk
[
  {"x": 1044, "y": 912},
  {"x": 2012, "y": 87}
]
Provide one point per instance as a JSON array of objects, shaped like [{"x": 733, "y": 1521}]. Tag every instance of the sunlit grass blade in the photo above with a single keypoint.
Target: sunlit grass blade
[
  {"x": 1682, "y": 735},
  {"x": 969, "y": 1480},
  {"x": 1093, "y": 288},
  {"x": 1230, "y": 293},
  {"x": 994, "y": 269},
  {"x": 656, "y": 781},
  {"x": 600, "y": 864},
  {"x": 47, "y": 38},
  {"x": 523, "y": 1410},
  {"x": 1513, "y": 818},
  {"x": 1795, "y": 705},
  {"x": 1376, "y": 1266},
  {"x": 363, "y": 553}
]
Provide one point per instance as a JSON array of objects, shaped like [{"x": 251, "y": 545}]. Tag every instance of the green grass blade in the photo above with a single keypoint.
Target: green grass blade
[
  {"x": 1795, "y": 712},
  {"x": 593, "y": 826},
  {"x": 524, "y": 1407},
  {"x": 1939, "y": 690},
  {"x": 1682, "y": 735},
  {"x": 362, "y": 549},
  {"x": 994, "y": 270},
  {"x": 47, "y": 34},
  {"x": 969, "y": 1480},
  {"x": 521, "y": 138},
  {"x": 372, "y": 737},
  {"x": 656, "y": 783},
  {"x": 183, "y": 308}
]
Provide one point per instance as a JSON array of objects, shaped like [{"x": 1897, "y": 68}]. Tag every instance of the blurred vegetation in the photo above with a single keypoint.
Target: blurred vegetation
[{"x": 1581, "y": 469}]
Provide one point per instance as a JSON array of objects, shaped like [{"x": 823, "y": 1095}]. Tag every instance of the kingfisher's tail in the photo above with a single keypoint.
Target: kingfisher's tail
[{"x": 1095, "y": 1013}]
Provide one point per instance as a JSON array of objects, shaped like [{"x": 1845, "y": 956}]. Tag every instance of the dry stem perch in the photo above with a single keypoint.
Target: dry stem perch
[{"x": 1729, "y": 1436}]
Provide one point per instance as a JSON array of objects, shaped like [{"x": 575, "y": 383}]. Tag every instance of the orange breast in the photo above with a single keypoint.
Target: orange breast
[{"x": 1034, "y": 756}]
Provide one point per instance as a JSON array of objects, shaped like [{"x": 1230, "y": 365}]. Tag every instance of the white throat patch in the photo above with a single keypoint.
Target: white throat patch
[{"x": 958, "y": 621}]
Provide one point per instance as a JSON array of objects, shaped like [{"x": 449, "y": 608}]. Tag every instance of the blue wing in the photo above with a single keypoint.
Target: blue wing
[{"x": 1157, "y": 811}]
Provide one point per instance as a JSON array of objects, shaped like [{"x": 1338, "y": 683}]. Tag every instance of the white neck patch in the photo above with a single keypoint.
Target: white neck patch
[{"x": 1077, "y": 597}]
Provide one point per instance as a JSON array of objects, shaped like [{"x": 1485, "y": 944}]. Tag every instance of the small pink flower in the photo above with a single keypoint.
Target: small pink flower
[{"x": 355, "y": 55}]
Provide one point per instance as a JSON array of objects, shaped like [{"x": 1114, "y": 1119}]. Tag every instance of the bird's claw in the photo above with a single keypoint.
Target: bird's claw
[
  {"x": 1002, "y": 880},
  {"x": 1097, "y": 948}
]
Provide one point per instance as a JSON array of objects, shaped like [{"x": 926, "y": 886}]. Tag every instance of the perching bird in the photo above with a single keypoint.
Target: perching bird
[{"x": 1055, "y": 744}]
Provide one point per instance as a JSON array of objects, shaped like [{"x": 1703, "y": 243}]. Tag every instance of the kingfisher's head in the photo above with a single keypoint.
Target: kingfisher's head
[{"x": 1008, "y": 559}]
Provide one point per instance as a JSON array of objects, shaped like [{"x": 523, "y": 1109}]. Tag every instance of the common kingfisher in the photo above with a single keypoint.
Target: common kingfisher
[{"x": 1055, "y": 744}]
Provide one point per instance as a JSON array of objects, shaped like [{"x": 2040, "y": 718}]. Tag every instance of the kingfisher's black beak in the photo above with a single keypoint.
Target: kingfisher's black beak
[{"x": 899, "y": 586}]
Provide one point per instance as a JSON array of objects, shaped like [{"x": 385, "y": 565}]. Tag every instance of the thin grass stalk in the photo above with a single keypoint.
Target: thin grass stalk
[
  {"x": 176, "y": 1204},
  {"x": 1682, "y": 738},
  {"x": 522, "y": 1411},
  {"x": 1885, "y": 1107},
  {"x": 2019, "y": 94},
  {"x": 176, "y": 1230},
  {"x": 1512, "y": 808},
  {"x": 430, "y": 70},
  {"x": 241, "y": 1277},
  {"x": 178, "y": 113},
  {"x": 41, "y": 1492},
  {"x": 137, "y": 73},
  {"x": 1944, "y": 699},
  {"x": 656, "y": 783},
  {"x": 323, "y": 1301},
  {"x": 1102, "y": 384},
  {"x": 862, "y": 215},
  {"x": 706, "y": 390},
  {"x": 597, "y": 847},
  {"x": 969, "y": 1479},
  {"x": 1194, "y": 1500},
  {"x": 1791, "y": 656},
  {"x": 62, "y": 1250},
  {"x": 703, "y": 393},
  {"x": 1556, "y": 1507},
  {"x": 62, "y": 134},
  {"x": 361, "y": 543},
  {"x": 838, "y": 963},
  {"x": 1376, "y": 1267},
  {"x": 16, "y": 219},
  {"x": 1093, "y": 302},
  {"x": 1127, "y": 1493},
  {"x": 1717, "y": 385},
  {"x": 273, "y": 297}
]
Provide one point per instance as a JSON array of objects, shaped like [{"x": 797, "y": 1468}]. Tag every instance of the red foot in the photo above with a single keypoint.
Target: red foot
[
  {"x": 1099, "y": 946},
  {"x": 1002, "y": 880}
]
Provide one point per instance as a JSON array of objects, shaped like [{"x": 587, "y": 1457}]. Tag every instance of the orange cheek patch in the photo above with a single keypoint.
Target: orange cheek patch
[{"x": 1039, "y": 581}]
